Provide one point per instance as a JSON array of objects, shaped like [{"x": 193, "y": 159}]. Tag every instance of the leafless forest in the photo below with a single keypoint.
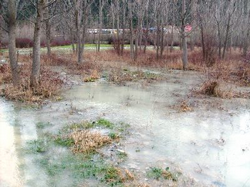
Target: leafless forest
[{"x": 140, "y": 93}]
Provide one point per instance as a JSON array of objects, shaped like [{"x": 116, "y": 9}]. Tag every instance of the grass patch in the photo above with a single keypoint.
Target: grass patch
[
  {"x": 42, "y": 125},
  {"x": 122, "y": 154},
  {"x": 120, "y": 76},
  {"x": 81, "y": 160},
  {"x": 158, "y": 173},
  {"x": 65, "y": 142},
  {"x": 78, "y": 126},
  {"x": 49, "y": 86},
  {"x": 37, "y": 146},
  {"x": 105, "y": 123},
  {"x": 113, "y": 135},
  {"x": 113, "y": 176}
]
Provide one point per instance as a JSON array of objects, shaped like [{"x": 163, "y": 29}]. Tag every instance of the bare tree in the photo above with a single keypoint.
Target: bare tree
[
  {"x": 8, "y": 21},
  {"x": 101, "y": 5},
  {"x": 35, "y": 73},
  {"x": 12, "y": 41}
]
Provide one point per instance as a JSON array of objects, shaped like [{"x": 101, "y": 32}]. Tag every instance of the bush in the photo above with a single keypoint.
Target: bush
[
  {"x": 24, "y": 43},
  {"x": 60, "y": 42}
]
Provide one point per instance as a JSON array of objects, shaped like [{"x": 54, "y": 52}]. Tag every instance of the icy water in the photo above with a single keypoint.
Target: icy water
[{"x": 210, "y": 144}]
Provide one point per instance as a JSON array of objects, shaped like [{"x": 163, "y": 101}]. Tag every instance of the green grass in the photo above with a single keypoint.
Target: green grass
[
  {"x": 112, "y": 176},
  {"x": 155, "y": 173},
  {"x": 105, "y": 123},
  {"x": 158, "y": 173},
  {"x": 86, "y": 46},
  {"x": 37, "y": 146},
  {"x": 76, "y": 167},
  {"x": 77, "y": 126},
  {"x": 113, "y": 135},
  {"x": 3, "y": 50},
  {"x": 42, "y": 125},
  {"x": 65, "y": 142},
  {"x": 122, "y": 155},
  {"x": 79, "y": 167}
]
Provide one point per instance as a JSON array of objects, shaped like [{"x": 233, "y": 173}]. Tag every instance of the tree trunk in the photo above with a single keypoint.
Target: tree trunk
[
  {"x": 131, "y": 31},
  {"x": 185, "y": 52},
  {"x": 78, "y": 32},
  {"x": 118, "y": 43},
  {"x": 202, "y": 41},
  {"x": 123, "y": 26},
  {"x": 184, "y": 38},
  {"x": 246, "y": 43},
  {"x": 146, "y": 34},
  {"x": 72, "y": 40},
  {"x": 48, "y": 29},
  {"x": 100, "y": 26},
  {"x": 48, "y": 37},
  {"x": 162, "y": 39},
  {"x": 158, "y": 39},
  {"x": 12, "y": 42},
  {"x": 35, "y": 74},
  {"x": 226, "y": 39},
  {"x": 172, "y": 39}
]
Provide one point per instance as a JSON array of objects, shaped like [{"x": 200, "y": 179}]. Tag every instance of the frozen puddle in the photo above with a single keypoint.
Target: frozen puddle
[
  {"x": 211, "y": 146},
  {"x": 208, "y": 145},
  {"x": 9, "y": 173}
]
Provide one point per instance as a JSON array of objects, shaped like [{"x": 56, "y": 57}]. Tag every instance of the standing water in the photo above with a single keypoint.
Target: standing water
[{"x": 210, "y": 144}]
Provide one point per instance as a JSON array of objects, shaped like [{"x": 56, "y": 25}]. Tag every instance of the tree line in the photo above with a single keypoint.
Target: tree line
[{"x": 216, "y": 26}]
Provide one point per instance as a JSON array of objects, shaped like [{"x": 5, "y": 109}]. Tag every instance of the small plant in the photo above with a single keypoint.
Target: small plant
[
  {"x": 113, "y": 176},
  {"x": 105, "y": 123},
  {"x": 42, "y": 125},
  {"x": 113, "y": 135},
  {"x": 66, "y": 142},
  {"x": 89, "y": 79},
  {"x": 78, "y": 126},
  {"x": 122, "y": 154},
  {"x": 37, "y": 146},
  {"x": 157, "y": 173},
  {"x": 185, "y": 107}
]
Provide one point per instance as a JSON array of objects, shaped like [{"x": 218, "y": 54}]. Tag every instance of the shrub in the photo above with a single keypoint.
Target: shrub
[
  {"x": 24, "y": 43},
  {"x": 60, "y": 42}
]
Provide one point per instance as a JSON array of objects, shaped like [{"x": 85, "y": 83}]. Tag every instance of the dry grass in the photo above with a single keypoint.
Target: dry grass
[
  {"x": 185, "y": 107},
  {"x": 232, "y": 70},
  {"x": 49, "y": 86},
  {"x": 220, "y": 89},
  {"x": 58, "y": 60},
  {"x": 120, "y": 76},
  {"x": 182, "y": 106},
  {"x": 86, "y": 141},
  {"x": 5, "y": 74}
]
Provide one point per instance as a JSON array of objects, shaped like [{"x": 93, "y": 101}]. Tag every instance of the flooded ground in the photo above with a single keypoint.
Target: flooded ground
[{"x": 209, "y": 145}]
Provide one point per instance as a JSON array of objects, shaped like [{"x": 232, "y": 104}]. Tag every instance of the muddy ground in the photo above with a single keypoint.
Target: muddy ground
[{"x": 198, "y": 140}]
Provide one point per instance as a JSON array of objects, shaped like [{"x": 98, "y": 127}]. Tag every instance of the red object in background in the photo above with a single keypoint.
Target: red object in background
[{"x": 188, "y": 28}]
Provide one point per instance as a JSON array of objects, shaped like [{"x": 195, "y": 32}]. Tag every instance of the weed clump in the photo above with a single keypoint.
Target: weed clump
[
  {"x": 37, "y": 146},
  {"x": 113, "y": 175},
  {"x": 221, "y": 90},
  {"x": 208, "y": 88},
  {"x": 5, "y": 74},
  {"x": 86, "y": 141},
  {"x": 157, "y": 173},
  {"x": 120, "y": 76},
  {"x": 105, "y": 123},
  {"x": 49, "y": 87}
]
